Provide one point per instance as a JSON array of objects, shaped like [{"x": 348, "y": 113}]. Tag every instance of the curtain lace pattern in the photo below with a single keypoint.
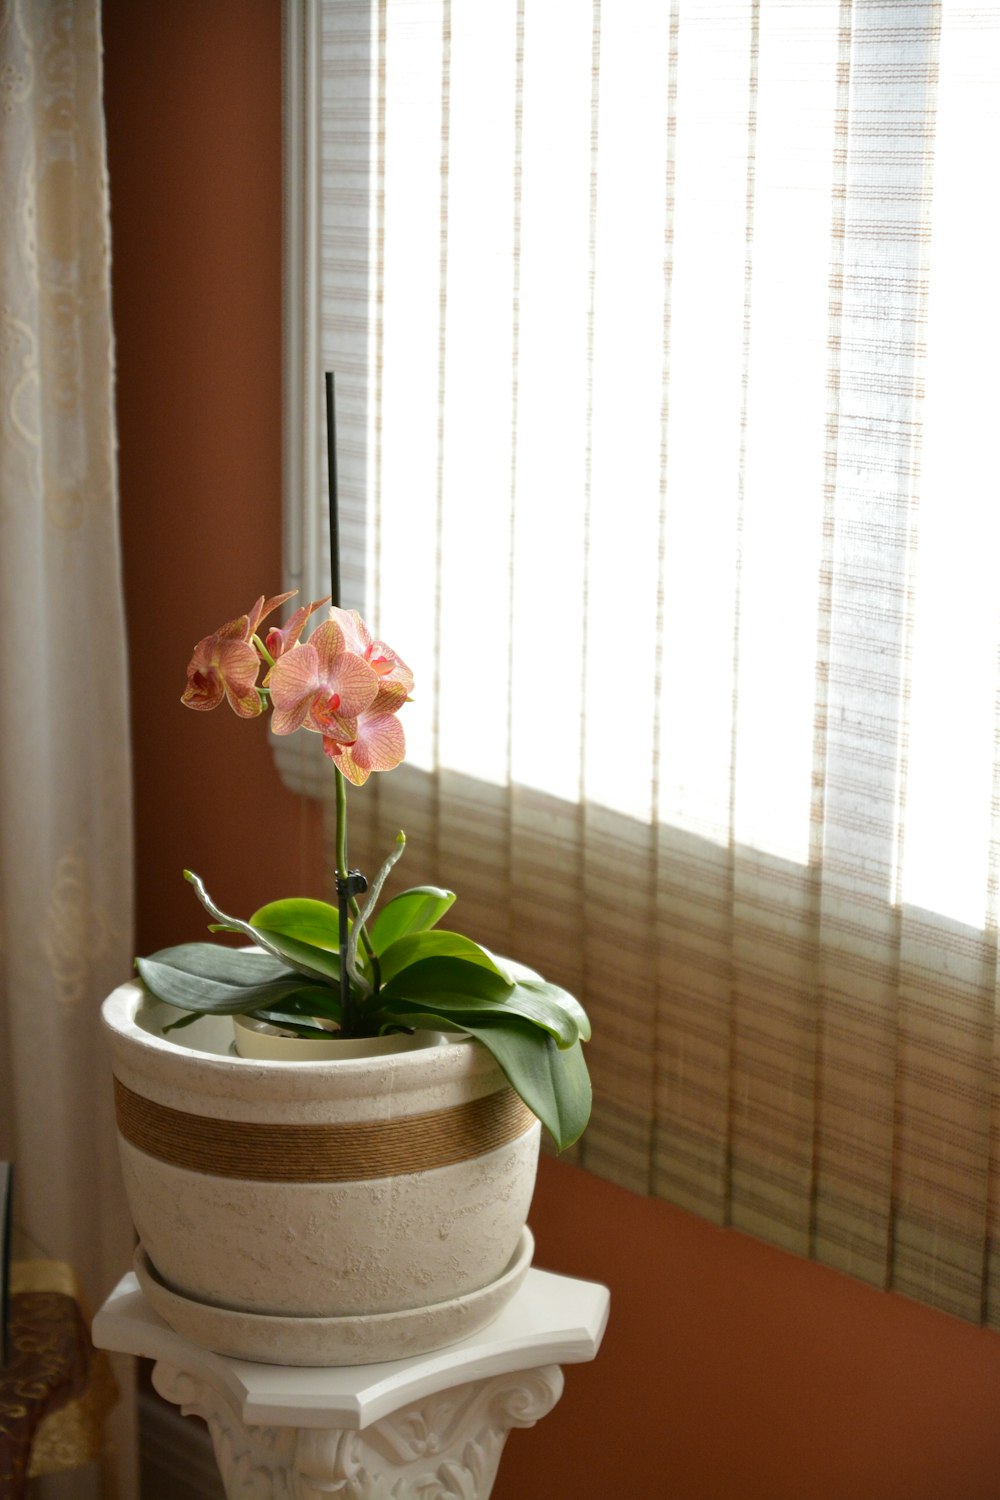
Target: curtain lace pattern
[
  {"x": 65, "y": 814},
  {"x": 665, "y": 344}
]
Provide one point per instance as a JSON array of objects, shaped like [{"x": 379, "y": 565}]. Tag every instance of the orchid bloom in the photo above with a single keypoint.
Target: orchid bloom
[
  {"x": 322, "y": 686},
  {"x": 282, "y": 638},
  {"x": 225, "y": 664},
  {"x": 379, "y": 743},
  {"x": 380, "y": 657}
]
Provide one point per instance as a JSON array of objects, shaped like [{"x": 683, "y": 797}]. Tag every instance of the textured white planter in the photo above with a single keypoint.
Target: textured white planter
[{"x": 326, "y": 1190}]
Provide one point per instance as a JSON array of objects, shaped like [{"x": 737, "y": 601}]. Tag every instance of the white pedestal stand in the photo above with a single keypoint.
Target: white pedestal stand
[{"x": 429, "y": 1428}]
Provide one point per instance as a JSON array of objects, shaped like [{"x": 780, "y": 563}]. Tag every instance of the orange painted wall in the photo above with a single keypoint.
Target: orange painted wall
[
  {"x": 193, "y": 107},
  {"x": 729, "y": 1369}
]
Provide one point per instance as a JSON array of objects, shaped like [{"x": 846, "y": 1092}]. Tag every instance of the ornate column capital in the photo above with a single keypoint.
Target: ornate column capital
[{"x": 444, "y": 1447}]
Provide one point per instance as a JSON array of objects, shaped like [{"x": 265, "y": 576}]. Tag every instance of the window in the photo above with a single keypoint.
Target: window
[{"x": 664, "y": 338}]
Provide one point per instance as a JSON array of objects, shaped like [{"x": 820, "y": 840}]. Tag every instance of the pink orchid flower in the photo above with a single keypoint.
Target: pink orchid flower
[
  {"x": 379, "y": 744},
  {"x": 282, "y": 638},
  {"x": 321, "y": 685},
  {"x": 380, "y": 657},
  {"x": 225, "y": 664}
]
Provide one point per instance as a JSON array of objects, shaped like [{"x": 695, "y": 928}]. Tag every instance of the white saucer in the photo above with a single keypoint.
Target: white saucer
[{"x": 363, "y": 1339}]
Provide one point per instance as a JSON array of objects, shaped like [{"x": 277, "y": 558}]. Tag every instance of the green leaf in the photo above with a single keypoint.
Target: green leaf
[
  {"x": 415, "y": 910},
  {"x": 314, "y": 922},
  {"x": 211, "y": 996},
  {"x": 313, "y": 962},
  {"x": 458, "y": 987},
  {"x": 553, "y": 1081},
  {"x": 215, "y": 961},
  {"x": 311, "y": 1001},
  {"x": 554, "y": 993},
  {"x": 413, "y": 946}
]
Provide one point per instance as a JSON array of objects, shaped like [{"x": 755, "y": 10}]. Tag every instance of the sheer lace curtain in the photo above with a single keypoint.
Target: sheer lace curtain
[
  {"x": 665, "y": 334},
  {"x": 65, "y": 823}
]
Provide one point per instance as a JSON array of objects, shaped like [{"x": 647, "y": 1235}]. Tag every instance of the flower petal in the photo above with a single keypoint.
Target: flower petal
[
  {"x": 357, "y": 636},
  {"x": 390, "y": 667},
  {"x": 233, "y": 630},
  {"x": 345, "y": 762},
  {"x": 381, "y": 743},
  {"x": 391, "y": 697},
  {"x": 204, "y": 689},
  {"x": 325, "y": 716},
  {"x": 238, "y": 665},
  {"x": 294, "y": 681},
  {"x": 282, "y": 638},
  {"x": 261, "y": 610},
  {"x": 327, "y": 640},
  {"x": 354, "y": 682}
]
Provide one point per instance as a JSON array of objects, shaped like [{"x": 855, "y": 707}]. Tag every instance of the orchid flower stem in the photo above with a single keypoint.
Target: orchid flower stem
[
  {"x": 341, "y": 823},
  {"x": 346, "y": 1008},
  {"x": 346, "y": 1001},
  {"x": 263, "y": 651}
]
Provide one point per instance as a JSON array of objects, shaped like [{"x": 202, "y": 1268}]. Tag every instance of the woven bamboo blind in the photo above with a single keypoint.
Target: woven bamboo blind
[{"x": 666, "y": 338}]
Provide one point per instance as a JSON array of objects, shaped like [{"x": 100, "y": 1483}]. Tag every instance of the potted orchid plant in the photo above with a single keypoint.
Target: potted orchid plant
[{"x": 351, "y": 970}]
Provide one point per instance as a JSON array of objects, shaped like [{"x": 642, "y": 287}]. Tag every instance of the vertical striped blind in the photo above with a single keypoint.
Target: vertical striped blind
[{"x": 665, "y": 335}]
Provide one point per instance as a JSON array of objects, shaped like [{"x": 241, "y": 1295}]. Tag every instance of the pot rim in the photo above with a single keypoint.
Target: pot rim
[
  {"x": 120, "y": 1009},
  {"x": 215, "y": 1083}
]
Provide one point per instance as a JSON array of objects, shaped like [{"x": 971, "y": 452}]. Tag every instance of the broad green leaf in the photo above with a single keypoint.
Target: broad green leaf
[
  {"x": 414, "y": 946},
  {"x": 211, "y": 996},
  {"x": 415, "y": 910},
  {"x": 553, "y": 1081},
  {"x": 315, "y": 922},
  {"x": 230, "y": 965},
  {"x": 543, "y": 988},
  {"x": 458, "y": 987},
  {"x": 298, "y": 1012},
  {"x": 315, "y": 963}
]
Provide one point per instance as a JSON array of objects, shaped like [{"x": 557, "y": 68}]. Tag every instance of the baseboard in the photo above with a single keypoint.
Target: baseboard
[{"x": 175, "y": 1454}]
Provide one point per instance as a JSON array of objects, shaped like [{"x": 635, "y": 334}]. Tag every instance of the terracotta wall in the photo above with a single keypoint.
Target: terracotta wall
[
  {"x": 193, "y": 102},
  {"x": 729, "y": 1369}
]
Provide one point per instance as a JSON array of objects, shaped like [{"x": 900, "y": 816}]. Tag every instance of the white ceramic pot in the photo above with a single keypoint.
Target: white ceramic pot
[{"x": 343, "y": 1188}]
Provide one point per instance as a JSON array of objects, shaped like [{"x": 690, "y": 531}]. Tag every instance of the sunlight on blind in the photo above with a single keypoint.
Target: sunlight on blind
[
  {"x": 703, "y": 426},
  {"x": 678, "y": 486},
  {"x": 953, "y": 679},
  {"x": 786, "y": 373},
  {"x": 627, "y": 366},
  {"x": 604, "y": 326},
  {"x": 407, "y": 333},
  {"x": 547, "y": 623}
]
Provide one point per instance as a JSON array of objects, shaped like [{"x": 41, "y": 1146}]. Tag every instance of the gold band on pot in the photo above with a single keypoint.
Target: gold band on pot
[{"x": 321, "y": 1153}]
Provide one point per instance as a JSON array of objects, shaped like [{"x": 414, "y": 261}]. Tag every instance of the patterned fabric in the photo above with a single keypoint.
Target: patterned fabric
[
  {"x": 65, "y": 815},
  {"x": 67, "y": 1404},
  {"x": 665, "y": 339},
  {"x": 47, "y": 1368}
]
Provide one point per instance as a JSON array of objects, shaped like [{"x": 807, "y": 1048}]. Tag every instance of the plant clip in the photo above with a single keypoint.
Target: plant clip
[{"x": 350, "y": 885}]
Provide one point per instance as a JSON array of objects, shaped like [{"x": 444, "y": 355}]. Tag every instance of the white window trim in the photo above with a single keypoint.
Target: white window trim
[{"x": 303, "y": 440}]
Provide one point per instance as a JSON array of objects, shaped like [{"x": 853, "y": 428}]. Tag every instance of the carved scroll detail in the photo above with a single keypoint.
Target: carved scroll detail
[
  {"x": 256, "y": 1463},
  {"x": 446, "y": 1447}
]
